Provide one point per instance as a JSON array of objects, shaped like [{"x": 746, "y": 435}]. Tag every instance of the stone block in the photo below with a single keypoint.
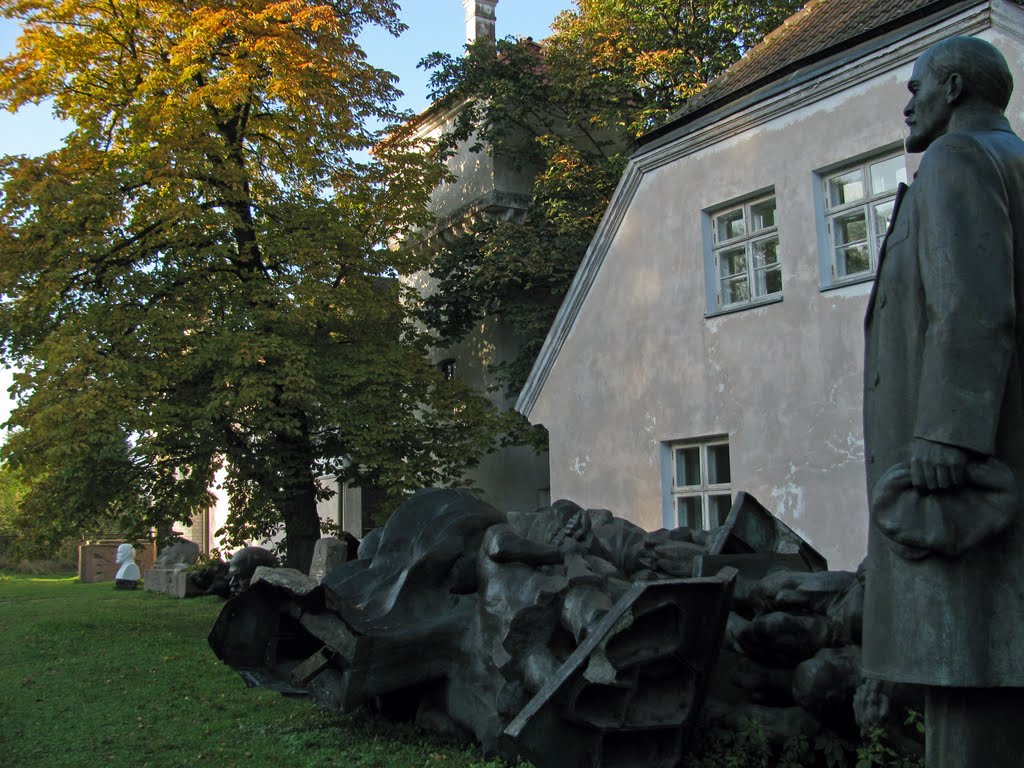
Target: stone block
[
  {"x": 289, "y": 579},
  {"x": 332, "y": 632},
  {"x": 169, "y": 581},
  {"x": 328, "y": 553},
  {"x": 306, "y": 670}
]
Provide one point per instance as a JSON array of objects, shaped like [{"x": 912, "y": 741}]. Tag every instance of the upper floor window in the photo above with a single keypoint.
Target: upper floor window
[
  {"x": 859, "y": 202},
  {"x": 745, "y": 254},
  {"x": 701, "y": 483}
]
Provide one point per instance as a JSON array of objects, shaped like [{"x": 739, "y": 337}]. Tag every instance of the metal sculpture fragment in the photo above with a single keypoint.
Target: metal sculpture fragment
[{"x": 563, "y": 635}]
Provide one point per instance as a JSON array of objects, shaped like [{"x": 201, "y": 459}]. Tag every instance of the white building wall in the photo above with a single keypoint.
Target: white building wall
[{"x": 643, "y": 366}]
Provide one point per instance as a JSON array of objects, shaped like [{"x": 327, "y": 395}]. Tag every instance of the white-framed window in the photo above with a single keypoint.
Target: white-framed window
[
  {"x": 858, "y": 205},
  {"x": 745, "y": 258},
  {"x": 701, "y": 486}
]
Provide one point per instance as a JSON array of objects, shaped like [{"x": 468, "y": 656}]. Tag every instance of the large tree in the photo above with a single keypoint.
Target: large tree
[
  {"x": 572, "y": 107},
  {"x": 195, "y": 279}
]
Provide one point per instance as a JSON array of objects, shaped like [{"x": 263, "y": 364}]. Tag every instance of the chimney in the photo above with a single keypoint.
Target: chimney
[{"x": 479, "y": 20}]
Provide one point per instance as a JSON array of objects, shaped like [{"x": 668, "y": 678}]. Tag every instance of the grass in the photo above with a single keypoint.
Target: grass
[{"x": 91, "y": 676}]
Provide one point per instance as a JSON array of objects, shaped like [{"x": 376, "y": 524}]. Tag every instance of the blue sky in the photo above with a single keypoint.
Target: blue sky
[{"x": 434, "y": 25}]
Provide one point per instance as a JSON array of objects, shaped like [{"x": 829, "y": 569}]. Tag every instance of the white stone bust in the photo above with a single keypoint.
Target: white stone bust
[{"x": 128, "y": 571}]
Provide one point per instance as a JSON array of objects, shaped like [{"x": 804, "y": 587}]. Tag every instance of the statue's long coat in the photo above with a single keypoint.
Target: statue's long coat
[{"x": 944, "y": 336}]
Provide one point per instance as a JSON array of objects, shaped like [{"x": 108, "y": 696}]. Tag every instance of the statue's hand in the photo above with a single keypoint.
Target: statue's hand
[{"x": 936, "y": 466}]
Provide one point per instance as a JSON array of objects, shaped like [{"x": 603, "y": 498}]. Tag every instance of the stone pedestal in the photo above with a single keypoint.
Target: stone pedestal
[
  {"x": 169, "y": 581},
  {"x": 328, "y": 553}
]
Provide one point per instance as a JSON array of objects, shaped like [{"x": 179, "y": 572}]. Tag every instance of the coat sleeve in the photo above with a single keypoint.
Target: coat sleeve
[{"x": 965, "y": 258}]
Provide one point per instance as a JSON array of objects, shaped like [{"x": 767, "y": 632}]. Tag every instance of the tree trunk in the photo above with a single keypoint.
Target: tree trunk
[{"x": 301, "y": 525}]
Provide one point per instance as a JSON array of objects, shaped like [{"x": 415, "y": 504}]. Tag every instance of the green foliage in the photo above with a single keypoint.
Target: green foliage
[
  {"x": 569, "y": 109},
  {"x": 835, "y": 751},
  {"x": 12, "y": 490},
  {"x": 915, "y": 720},
  {"x": 746, "y": 747},
  {"x": 749, "y": 747},
  {"x": 520, "y": 271},
  {"x": 92, "y": 676},
  {"x": 195, "y": 279},
  {"x": 875, "y": 751},
  {"x": 637, "y": 61}
]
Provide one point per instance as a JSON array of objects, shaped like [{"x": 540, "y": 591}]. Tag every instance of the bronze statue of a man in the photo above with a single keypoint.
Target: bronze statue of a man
[{"x": 944, "y": 416}]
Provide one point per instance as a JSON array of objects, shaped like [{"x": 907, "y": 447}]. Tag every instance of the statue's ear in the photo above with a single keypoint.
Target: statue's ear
[{"x": 954, "y": 88}]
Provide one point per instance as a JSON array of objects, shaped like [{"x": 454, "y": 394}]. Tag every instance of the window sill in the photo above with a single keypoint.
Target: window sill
[
  {"x": 866, "y": 278},
  {"x": 768, "y": 300}
]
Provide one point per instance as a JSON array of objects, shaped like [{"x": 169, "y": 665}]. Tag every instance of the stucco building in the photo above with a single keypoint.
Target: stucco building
[{"x": 712, "y": 340}]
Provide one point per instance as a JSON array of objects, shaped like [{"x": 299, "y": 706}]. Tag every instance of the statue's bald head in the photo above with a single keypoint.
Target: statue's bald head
[{"x": 981, "y": 67}]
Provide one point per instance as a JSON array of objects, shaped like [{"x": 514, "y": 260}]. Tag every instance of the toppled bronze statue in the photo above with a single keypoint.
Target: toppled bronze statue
[
  {"x": 243, "y": 565},
  {"x": 564, "y": 635}
]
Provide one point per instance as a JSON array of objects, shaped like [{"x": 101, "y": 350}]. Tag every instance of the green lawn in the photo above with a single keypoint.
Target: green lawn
[{"x": 92, "y": 677}]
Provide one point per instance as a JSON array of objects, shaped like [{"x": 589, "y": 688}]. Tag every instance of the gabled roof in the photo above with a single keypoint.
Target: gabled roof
[{"x": 822, "y": 29}]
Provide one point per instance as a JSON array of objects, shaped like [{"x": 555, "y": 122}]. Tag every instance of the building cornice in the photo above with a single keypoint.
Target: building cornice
[
  {"x": 507, "y": 206},
  {"x": 434, "y": 117},
  {"x": 807, "y": 86}
]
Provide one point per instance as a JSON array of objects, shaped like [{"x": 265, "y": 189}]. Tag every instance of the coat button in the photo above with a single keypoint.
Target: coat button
[
  {"x": 871, "y": 459},
  {"x": 881, "y": 300}
]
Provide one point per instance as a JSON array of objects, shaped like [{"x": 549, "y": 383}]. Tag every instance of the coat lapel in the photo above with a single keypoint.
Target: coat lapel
[{"x": 901, "y": 192}]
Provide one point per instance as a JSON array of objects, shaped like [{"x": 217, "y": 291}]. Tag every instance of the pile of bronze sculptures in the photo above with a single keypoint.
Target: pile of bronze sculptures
[
  {"x": 525, "y": 631},
  {"x": 565, "y": 635}
]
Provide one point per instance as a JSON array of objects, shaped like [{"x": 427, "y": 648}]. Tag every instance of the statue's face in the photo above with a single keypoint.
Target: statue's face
[
  {"x": 929, "y": 108},
  {"x": 125, "y": 553}
]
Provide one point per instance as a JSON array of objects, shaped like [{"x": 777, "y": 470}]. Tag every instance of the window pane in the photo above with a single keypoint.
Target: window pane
[
  {"x": 853, "y": 260},
  {"x": 732, "y": 262},
  {"x": 845, "y": 188},
  {"x": 729, "y": 225},
  {"x": 850, "y": 228},
  {"x": 719, "y": 506},
  {"x": 735, "y": 289},
  {"x": 887, "y": 175},
  {"x": 762, "y": 215},
  {"x": 768, "y": 281},
  {"x": 688, "y": 466},
  {"x": 718, "y": 464},
  {"x": 883, "y": 215},
  {"x": 690, "y": 511},
  {"x": 766, "y": 253}
]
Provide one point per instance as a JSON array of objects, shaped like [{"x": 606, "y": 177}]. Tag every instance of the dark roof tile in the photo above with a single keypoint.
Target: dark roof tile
[{"x": 822, "y": 28}]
